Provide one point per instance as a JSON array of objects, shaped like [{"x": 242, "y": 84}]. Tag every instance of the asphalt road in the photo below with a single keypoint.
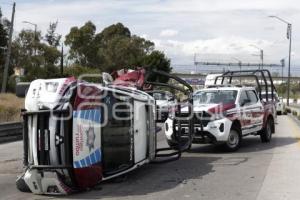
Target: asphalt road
[{"x": 256, "y": 171}]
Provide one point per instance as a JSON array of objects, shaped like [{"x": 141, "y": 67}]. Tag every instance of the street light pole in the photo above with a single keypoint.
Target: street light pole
[
  {"x": 289, "y": 70},
  {"x": 240, "y": 65},
  {"x": 289, "y": 37},
  {"x": 261, "y": 55}
]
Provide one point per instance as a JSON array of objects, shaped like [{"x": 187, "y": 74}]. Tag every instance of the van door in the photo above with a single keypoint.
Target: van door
[{"x": 140, "y": 131}]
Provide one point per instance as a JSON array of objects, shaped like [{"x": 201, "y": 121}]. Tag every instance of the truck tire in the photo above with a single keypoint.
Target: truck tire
[
  {"x": 233, "y": 142},
  {"x": 266, "y": 132}
]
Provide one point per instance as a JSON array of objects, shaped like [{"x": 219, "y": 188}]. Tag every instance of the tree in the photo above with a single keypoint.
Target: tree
[
  {"x": 295, "y": 88},
  {"x": 281, "y": 89},
  {"x": 3, "y": 31},
  {"x": 113, "y": 48},
  {"x": 82, "y": 47},
  {"x": 158, "y": 61},
  {"x": 38, "y": 59},
  {"x": 51, "y": 37}
]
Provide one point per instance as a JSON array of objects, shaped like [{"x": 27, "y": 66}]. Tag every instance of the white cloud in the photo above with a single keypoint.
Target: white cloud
[
  {"x": 214, "y": 26},
  {"x": 146, "y": 36},
  {"x": 221, "y": 48},
  {"x": 168, "y": 33}
]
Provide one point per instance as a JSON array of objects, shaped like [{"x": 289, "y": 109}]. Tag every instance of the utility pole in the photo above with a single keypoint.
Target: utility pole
[
  {"x": 62, "y": 60},
  {"x": 283, "y": 64},
  {"x": 261, "y": 55},
  {"x": 5, "y": 73}
]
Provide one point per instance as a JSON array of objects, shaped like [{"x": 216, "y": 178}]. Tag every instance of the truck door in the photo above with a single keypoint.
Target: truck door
[
  {"x": 245, "y": 112},
  {"x": 256, "y": 111},
  {"x": 251, "y": 112}
]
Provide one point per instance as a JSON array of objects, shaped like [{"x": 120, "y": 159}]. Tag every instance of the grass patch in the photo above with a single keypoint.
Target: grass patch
[{"x": 10, "y": 108}]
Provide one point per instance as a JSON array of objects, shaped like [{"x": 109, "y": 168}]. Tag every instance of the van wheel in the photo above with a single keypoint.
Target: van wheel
[
  {"x": 234, "y": 140},
  {"x": 266, "y": 133},
  {"x": 172, "y": 145}
]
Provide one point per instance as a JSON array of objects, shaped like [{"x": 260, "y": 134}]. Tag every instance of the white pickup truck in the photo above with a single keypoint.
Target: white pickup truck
[{"x": 226, "y": 113}]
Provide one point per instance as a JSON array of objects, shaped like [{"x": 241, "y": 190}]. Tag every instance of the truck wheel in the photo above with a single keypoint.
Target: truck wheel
[
  {"x": 21, "y": 185},
  {"x": 266, "y": 133},
  {"x": 234, "y": 140}
]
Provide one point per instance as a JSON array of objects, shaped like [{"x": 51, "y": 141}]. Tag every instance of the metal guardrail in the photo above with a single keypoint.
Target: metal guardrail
[{"x": 11, "y": 131}]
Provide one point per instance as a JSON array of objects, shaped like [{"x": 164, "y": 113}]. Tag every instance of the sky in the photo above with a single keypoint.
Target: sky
[{"x": 210, "y": 29}]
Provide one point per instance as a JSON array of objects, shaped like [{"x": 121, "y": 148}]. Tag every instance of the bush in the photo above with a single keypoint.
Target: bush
[
  {"x": 11, "y": 85},
  {"x": 77, "y": 71},
  {"x": 294, "y": 113},
  {"x": 287, "y": 110},
  {"x": 10, "y": 108}
]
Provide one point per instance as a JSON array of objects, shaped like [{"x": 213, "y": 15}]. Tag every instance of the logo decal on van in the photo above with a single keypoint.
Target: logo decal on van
[{"x": 90, "y": 137}]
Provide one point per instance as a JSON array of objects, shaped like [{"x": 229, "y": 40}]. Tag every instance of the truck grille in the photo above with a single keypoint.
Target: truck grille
[{"x": 199, "y": 118}]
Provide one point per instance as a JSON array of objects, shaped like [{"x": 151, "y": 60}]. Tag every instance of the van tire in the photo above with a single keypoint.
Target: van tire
[{"x": 21, "y": 184}]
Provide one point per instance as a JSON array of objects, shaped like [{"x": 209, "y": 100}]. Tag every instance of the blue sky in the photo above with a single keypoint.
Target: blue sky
[{"x": 180, "y": 28}]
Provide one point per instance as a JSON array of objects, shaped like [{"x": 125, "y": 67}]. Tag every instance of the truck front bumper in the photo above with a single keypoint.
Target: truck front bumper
[{"x": 215, "y": 131}]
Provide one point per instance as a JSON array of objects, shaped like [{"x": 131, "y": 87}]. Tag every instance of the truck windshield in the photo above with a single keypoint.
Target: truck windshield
[{"x": 215, "y": 97}]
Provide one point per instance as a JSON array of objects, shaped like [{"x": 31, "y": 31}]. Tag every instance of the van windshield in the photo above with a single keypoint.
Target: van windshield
[{"x": 215, "y": 97}]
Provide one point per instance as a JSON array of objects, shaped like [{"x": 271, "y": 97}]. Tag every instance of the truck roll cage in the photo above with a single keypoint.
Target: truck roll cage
[
  {"x": 260, "y": 76},
  {"x": 188, "y": 91}
]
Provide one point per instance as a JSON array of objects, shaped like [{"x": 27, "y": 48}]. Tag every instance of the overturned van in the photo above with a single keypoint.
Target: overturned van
[{"x": 77, "y": 134}]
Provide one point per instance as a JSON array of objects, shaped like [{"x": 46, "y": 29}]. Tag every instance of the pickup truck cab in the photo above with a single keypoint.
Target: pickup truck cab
[{"x": 164, "y": 100}]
